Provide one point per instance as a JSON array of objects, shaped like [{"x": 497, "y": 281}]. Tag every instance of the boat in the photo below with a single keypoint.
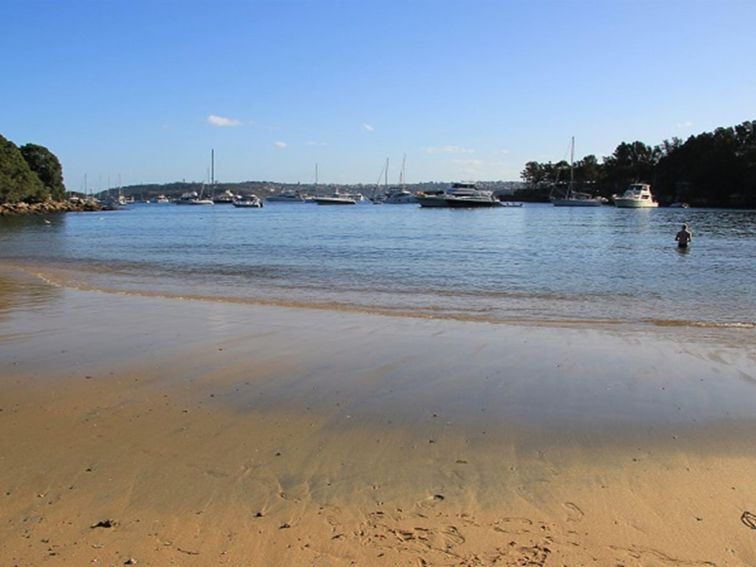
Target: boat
[
  {"x": 399, "y": 196},
  {"x": 160, "y": 199},
  {"x": 248, "y": 201},
  {"x": 225, "y": 198},
  {"x": 287, "y": 197},
  {"x": 575, "y": 198},
  {"x": 459, "y": 195},
  {"x": 193, "y": 198},
  {"x": 336, "y": 199},
  {"x": 637, "y": 196},
  {"x": 679, "y": 205}
]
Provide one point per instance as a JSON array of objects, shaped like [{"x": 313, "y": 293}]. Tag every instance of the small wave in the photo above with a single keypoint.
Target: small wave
[
  {"x": 533, "y": 309},
  {"x": 702, "y": 324}
]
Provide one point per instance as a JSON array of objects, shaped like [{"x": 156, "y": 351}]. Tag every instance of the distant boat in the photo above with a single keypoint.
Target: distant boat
[
  {"x": 459, "y": 195},
  {"x": 678, "y": 205},
  {"x": 160, "y": 199},
  {"x": 575, "y": 198},
  {"x": 193, "y": 198},
  {"x": 248, "y": 201},
  {"x": 287, "y": 197},
  {"x": 225, "y": 198},
  {"x": 336, "y": 199},
  {"x": 637, "y": 196},
  {"x": 399, "y": 196}
]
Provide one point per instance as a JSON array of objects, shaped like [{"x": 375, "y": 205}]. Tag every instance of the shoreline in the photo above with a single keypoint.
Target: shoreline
[
  {"x": 84, "y": 278},
  {"x": 215, "y": 433},
  {"x": 48, "y": 207}
]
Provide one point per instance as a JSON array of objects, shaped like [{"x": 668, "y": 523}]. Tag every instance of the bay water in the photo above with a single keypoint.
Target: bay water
[{"x": 533, "y": 264}]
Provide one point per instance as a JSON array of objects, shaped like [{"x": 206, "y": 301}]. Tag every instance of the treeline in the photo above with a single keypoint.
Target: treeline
[
  {"x": 711, "y": 169},
  {"x": 29, "y": 174}
]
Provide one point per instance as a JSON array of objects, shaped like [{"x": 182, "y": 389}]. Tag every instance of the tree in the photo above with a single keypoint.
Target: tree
[
  {"x": 588, "y": 170},
  {"x": 17, "y": 181},
  {"x": 533, "y": 173},
  {"x": 47, "y": 167}
]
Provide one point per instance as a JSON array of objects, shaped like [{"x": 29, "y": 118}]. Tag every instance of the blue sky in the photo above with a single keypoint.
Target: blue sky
[{"x": 467, "y": 89}]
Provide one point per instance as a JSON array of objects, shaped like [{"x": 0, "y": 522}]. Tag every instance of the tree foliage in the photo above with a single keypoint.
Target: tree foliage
[
  {"x": 17, "y": 181},
  {"x": 30, "y": 174},
  {"x": 47, "y": 167},
  {"x": 713, "y": 168}
]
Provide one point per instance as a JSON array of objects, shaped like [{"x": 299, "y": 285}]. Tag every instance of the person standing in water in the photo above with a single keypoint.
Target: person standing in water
[{"x": 683, "y": 237}]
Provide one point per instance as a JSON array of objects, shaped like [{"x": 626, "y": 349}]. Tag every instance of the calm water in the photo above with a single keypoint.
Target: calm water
[{"x": 535, "y": 263}]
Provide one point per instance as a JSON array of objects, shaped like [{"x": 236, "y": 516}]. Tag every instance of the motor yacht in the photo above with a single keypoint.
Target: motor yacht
[
  {"x": 459, "y": 195},
  {"x": 248, "y": 202},
  {"x": 637, "y": 196},
  {"x": 335, "y": 199}
]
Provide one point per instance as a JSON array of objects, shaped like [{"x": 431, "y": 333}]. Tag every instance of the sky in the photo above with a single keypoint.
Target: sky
[{"x": 140, "y": 91}]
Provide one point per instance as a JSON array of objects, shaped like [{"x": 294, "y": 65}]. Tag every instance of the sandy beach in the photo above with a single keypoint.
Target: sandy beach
[{"x": 156, "y": 431}]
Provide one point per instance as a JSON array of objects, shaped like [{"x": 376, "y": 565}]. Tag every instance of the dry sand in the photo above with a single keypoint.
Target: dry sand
[{"x": 200, "y": 433}]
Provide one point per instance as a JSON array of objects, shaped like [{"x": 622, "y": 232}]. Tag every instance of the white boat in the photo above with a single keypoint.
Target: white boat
[
  {"x": 287, "y": 197},
  {"x": 335, "y": 199},
  {"x": 574, "y": 198},
  {"x": 637, "y": 196},
  {"x": 193, "y": 198},
  {"x": 248, "y": 201},
  {"x": 459, "y": 195},
  {"x": 160, "y": 199},
  {"x": 225, "y": 198}
]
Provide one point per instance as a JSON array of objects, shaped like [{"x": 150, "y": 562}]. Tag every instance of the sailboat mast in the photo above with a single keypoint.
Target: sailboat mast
[
  {"x": 401, "y": 175},
  {"x": 572, "y": 166},
  {"x": 212, "y": 167},
  {"x": 316, "y": 174},
  {"x": 385, "y": 176}
]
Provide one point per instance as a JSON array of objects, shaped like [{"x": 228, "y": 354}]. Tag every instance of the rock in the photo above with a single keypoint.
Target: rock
[
  {"x": 130, "y": 561},
  {"x": 104, "y": 524}
]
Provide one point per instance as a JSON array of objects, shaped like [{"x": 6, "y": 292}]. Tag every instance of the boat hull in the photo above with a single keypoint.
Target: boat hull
[{"x": 333, "y": 201}]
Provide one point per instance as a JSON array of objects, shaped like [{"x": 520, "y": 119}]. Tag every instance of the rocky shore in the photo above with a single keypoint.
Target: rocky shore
[{"x": 49, "y": 207}]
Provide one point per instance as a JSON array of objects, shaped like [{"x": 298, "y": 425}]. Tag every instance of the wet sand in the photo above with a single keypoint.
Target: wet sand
[{"x": 175, "y": 432}]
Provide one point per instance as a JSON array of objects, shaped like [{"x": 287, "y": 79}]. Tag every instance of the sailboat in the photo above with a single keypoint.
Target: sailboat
[
  {"x": 575, "y": 198},
  {"x": 399, "y": 196},
  {"x": 194, "y": 198}
]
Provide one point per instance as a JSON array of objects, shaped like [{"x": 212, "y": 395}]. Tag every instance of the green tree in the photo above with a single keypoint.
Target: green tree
[
  {"x": 588, "y": 170},
  {"x": 533, "y": 173},
  {"x": 17, "y": 181},
  {"x": 47, "y": 167}
]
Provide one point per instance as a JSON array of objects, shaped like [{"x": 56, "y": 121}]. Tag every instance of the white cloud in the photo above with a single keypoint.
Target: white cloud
[
  {"x": 449, "y": 150},
  {"x": 686, "y": 124},
  {"x": 280, "y": 145},
  {"x": 368, "y": 127},
  {"x": 222, "y": 121}
]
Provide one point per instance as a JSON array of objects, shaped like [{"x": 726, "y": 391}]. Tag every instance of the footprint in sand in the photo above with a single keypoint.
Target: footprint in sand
[
  {"x": 574, "y": 513},
  {"x": 513, "y": 525}
]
